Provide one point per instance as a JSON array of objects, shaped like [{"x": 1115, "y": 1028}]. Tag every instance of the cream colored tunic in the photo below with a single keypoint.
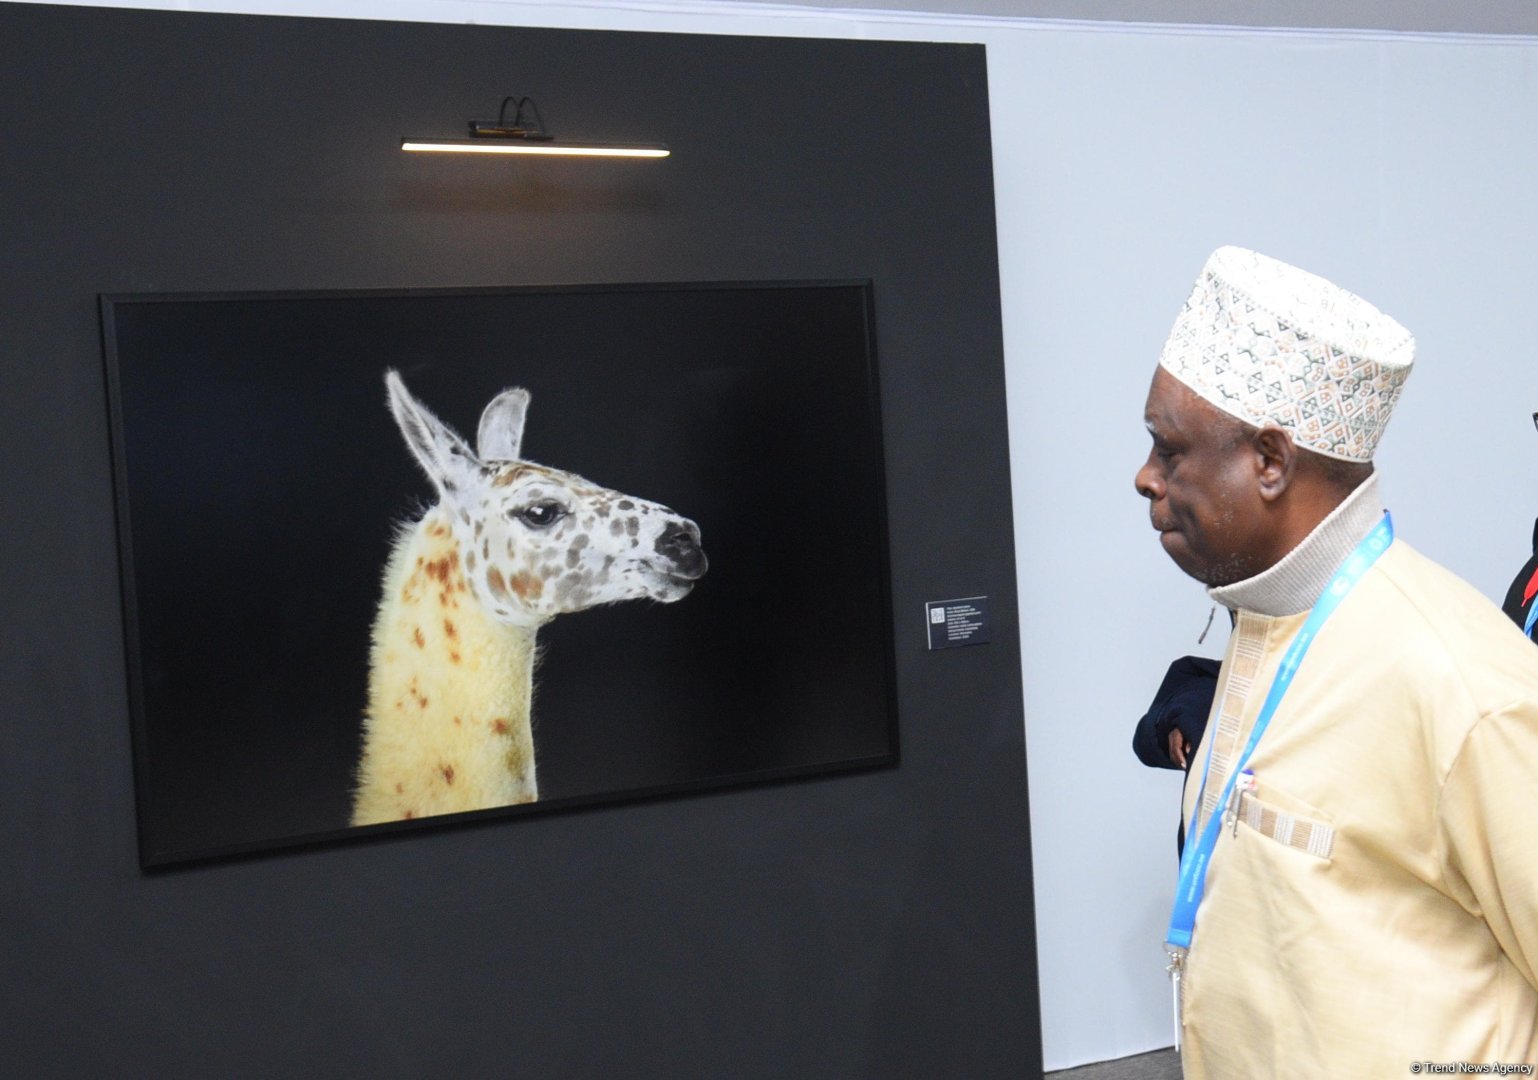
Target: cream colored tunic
[{"x": 1374, "y": 901}]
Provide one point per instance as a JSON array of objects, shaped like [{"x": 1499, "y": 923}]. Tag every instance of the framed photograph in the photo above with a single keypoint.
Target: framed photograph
[{"x": 397, "y": 559}]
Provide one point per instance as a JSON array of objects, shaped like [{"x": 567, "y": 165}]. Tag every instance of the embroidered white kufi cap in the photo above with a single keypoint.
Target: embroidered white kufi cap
[{"x": 1272, "y": 344}]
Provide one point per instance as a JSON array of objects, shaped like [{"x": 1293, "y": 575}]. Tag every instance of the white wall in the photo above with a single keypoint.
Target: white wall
[{"x": 1403, "y": 167}]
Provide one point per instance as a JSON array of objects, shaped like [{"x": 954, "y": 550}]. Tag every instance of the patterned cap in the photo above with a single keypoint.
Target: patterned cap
[{"x": 1272, "y": 344}]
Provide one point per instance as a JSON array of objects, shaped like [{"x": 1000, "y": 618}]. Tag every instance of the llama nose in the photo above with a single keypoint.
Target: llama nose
[{"x": 680, "y": 542}]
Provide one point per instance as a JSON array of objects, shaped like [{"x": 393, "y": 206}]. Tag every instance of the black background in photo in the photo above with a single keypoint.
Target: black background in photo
[{"x": 265, "y": 479}]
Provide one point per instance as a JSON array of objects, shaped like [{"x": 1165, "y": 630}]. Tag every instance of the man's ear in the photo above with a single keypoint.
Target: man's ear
[{"x": 1276, "y": 462}]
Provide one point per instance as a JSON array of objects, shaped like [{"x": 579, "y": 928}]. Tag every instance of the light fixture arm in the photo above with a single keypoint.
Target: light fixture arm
[{"x": 519, "y": 128}]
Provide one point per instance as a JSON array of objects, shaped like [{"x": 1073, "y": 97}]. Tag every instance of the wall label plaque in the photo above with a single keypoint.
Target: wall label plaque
[{"x": 954, "y": 623}]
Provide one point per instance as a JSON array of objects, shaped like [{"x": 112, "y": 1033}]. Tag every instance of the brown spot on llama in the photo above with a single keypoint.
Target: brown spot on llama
[
  {"x": 517, "y": 759},
  {"x": 411, "y": 592},
  {"x": 417, "y": 695},
  {"x": 509, "y": 477},
  {"x": 440, "y": 569},
  {"x": 497, "y": 585},
  {"x": 526, "y": 586}
]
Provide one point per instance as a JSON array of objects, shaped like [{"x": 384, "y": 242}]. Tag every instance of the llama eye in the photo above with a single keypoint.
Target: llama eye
[{"x": 541, "y": 515}]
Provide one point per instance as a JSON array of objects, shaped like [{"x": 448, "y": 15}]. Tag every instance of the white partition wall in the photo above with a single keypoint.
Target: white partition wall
[{"x": 1401, "y": 166}]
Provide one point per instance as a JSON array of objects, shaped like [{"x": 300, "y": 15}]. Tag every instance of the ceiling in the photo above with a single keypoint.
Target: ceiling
[{"x": 1434, "y": 16}]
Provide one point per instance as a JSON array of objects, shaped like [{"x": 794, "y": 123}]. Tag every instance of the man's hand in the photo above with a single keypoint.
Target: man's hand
[{"x": 1180, "y": 749}]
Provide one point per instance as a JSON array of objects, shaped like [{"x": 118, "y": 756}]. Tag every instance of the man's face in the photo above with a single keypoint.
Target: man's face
[{"x": 1200, "y": 483}]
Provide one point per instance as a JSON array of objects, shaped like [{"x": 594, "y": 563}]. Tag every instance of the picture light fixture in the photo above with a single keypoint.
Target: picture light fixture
[{"x": 525, "y": 133}]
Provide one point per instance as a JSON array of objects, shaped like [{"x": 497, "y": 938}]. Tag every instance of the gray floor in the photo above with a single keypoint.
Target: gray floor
[{"x": 1159, "y": 1065}]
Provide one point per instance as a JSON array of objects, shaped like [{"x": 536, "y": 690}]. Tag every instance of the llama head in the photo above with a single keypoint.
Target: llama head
[{"x": 535, "y": 542}]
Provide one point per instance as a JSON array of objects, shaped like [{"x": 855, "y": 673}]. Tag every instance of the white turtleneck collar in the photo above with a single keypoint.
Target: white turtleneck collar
[{"x": 1294, "y": 584}]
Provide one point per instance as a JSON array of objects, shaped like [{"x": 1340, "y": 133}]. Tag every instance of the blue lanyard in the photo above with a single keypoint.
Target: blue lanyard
[
  {"x": 1194, "y": 863},
  {"x": 1532, "y": 617}
]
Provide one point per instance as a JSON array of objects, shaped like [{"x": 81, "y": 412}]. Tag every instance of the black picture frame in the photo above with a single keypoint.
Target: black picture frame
[{"x": 260, "y": 479}]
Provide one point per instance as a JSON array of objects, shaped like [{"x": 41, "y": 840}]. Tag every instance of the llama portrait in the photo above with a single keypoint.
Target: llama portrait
[
  {"x": 507, "y": 546},
  {"x": 318, "y": 638}
]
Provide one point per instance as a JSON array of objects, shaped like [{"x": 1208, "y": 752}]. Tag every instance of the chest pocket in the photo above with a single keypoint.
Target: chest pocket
[{"x": 1304, "y": 832}]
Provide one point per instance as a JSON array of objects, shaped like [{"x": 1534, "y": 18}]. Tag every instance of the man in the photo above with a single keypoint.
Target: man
[
  {"x": 1368, "y": 897},
  {"x": 1521, "y": 602}
]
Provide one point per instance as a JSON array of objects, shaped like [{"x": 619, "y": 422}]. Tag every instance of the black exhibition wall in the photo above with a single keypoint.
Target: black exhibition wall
[{"x": 874, "y": 924}]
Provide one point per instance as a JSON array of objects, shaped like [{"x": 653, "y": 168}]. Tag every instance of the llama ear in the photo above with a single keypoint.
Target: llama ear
[
  {"x": 449, "y": 463},
  {"x": 500, "y": 437}
]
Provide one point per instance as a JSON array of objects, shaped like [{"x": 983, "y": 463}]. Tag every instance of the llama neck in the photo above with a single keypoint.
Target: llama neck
[{"x": 447, "y": 728}]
